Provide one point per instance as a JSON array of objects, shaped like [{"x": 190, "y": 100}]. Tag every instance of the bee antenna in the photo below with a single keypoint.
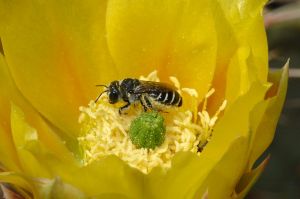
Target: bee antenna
[
  {"x": 100, "y": 96},
  {"x": 102, "y": 85}
]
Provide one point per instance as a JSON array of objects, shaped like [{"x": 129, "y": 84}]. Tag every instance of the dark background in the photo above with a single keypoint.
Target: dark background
[{"x": 281, "y": 178}]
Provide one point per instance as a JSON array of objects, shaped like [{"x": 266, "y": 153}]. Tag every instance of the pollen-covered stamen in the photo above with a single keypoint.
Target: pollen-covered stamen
[
  {"x": 151, "y": 77},
  {"x": 208, "y": 122},
  {"x": 105, "y": 132},
  {"x": 175, "y": 81}
]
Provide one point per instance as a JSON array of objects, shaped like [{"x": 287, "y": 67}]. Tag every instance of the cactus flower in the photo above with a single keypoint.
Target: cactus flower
[{"x": 56, "y": 142}]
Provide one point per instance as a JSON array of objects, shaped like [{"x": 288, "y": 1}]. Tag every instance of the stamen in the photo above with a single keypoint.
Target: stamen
[
  {"x": 208, "y": 122},
  {"x": 210, "y": 92},
  {"x": 104, "y": 132},
  {"x": 192, "y": 92},
  {"x": 151, "y": 77},
  {"x": 175, "y": 81}
]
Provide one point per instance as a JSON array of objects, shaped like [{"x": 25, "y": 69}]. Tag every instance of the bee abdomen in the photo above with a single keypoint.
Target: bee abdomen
[{"x": 171, "y": 98}]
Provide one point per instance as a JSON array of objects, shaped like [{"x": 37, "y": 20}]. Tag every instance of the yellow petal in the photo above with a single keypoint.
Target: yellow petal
[
  {"x": 5, "y": 86},
  {"x": 60, "y": 190},
  {"x": 226, "y": 172},
  {"x": 237, "y": 77},
  {"x": 57, "y": 52},
  {"x": 110, "y": 176},
  {"x": 186, "y": 175},
  {"x": 218, "y": 162},
  {"x": 110, "y": 196},
  {"x": 25, "y": 137},
  {"x": 176, "y": 37},
  {"x": 189, "y": 174},
  {"x": 234, "y": 124},
  {"x": 241, "y": 74},
  {"x": 49, "y": 189},
  {"x": 264, "y": 133},
  {"x": 249, "y": 178},
  {"x": 31, "y": 145},
  {"x": 100, "y": 178},
  {"x": 46, "y": 134},
  {"x": 244, "y": 16},
  {"x": 8, "y": 155},
  {"x": 239, "y": 50}
]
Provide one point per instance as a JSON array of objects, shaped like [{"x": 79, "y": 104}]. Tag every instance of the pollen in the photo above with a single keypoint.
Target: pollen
[{"x": 105, "y": 132}]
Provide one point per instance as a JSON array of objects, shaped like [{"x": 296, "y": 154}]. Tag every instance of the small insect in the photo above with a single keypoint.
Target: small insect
[{"x": 150, "y": 94}]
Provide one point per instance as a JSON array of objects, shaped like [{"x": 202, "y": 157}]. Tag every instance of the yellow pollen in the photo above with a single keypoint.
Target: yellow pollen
[{"x": 104, "y": 131}]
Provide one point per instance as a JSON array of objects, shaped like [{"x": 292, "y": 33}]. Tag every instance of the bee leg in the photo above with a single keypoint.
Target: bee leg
[
  {"x": 148, "y": 103},
  {"x": 144, "y": 106},
  {"x": 125, "y": 107}
]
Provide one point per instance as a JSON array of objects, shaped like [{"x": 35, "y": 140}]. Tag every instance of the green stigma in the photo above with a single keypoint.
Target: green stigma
[{"x": 147, "y": 130}]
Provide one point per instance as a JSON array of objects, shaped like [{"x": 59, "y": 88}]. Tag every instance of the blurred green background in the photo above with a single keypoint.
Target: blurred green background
[{"x": 281, "y": 178}]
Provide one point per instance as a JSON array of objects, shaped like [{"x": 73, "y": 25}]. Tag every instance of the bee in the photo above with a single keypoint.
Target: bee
[{"x": 149, "y": 94}]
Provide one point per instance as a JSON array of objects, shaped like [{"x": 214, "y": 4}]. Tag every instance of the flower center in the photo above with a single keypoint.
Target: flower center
[{"x": 105, "y": 132}]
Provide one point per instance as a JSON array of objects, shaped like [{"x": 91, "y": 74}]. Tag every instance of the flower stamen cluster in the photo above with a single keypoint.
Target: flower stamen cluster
[{"x": 105, "y": 132}]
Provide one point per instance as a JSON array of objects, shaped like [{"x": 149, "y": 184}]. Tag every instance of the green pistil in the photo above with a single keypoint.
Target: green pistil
[{"x": 147, "y": 130}]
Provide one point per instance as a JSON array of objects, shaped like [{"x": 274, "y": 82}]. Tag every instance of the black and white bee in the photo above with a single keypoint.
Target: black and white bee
[{"x": 151, "y": 95}]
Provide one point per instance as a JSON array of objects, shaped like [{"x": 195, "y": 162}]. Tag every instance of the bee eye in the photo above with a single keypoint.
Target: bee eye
[{"x": 113, "y": 97}]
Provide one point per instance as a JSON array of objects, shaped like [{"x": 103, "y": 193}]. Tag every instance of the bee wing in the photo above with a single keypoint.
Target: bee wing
[{"x": 153, "y": 87}]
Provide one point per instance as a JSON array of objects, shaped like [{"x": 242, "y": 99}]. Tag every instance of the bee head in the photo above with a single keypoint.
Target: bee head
[{"x": 114, "y": 92}]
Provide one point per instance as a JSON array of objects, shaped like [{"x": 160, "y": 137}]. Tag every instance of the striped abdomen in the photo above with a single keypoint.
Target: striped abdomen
[{"x": 169, "y": 98}]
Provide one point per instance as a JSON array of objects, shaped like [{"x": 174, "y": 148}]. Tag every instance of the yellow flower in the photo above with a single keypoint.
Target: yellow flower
[{"x": 54, "y": 52}]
